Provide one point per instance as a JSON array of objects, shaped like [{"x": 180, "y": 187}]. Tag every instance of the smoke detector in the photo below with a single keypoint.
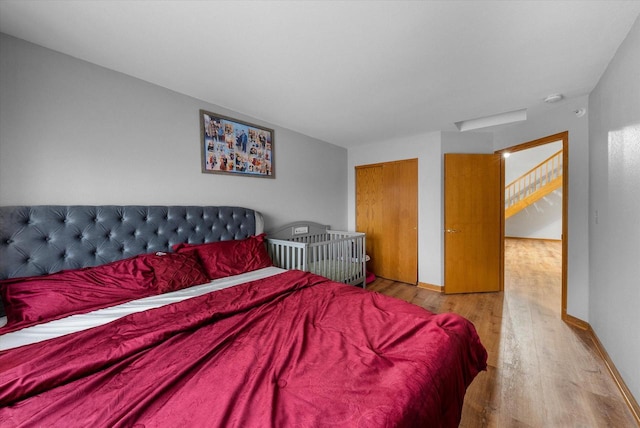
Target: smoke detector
[{"x": 580, "y": 112}]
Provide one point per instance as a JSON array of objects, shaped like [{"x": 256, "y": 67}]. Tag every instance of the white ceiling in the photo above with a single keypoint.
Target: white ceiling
[{"x": 345, "y": 72}]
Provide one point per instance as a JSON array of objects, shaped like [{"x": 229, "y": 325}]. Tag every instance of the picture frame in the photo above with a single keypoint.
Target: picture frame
[{"x": 234, "y": 147}]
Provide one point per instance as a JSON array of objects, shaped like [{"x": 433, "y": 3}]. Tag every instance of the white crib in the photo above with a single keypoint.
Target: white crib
[{"x": 337, "y": 255}]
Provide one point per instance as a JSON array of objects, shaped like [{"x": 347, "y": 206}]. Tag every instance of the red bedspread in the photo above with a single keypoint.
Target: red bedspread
[{"x": 294, "y": 350}]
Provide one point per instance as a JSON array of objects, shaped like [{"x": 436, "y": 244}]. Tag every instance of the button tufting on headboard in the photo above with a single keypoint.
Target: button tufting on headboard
[{"x": 35, "y": 240}]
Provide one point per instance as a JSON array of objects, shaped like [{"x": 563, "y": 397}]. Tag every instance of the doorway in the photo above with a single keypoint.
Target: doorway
[{"x": 562, "y": 137}]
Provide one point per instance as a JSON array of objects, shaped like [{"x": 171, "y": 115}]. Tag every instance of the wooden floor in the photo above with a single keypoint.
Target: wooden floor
[{"x": 542, "y": 372}]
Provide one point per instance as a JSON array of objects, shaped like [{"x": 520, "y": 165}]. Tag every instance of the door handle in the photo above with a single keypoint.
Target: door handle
[{"x": 452, "y": 230}]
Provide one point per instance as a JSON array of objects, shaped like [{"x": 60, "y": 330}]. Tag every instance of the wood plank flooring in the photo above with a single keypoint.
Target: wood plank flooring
[{"x": 542, "y": 372}]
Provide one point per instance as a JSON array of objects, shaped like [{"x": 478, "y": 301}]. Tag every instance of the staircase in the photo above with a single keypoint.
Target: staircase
[{"x": 533, "y": 185}]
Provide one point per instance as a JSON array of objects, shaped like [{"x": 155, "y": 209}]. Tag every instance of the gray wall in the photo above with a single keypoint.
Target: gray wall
[
  {"x": 426, "y": 148},
  {"x": 614, "y": 232},
  {"x": 75, "y": 133},
  {"x": 429, "y": 149}
]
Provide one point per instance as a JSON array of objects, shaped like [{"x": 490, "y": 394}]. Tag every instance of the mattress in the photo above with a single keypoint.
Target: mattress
[{"x": 80, "y": 322}]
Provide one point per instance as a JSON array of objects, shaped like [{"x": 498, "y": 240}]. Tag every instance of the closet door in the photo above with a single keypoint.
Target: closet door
[
  {"x": 387, "y": 211},
  {"x": 369, "y": 213}
]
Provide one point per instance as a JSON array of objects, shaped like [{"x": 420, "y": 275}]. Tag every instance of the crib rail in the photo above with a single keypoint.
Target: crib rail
[
  {"x": 337, "y": 255},
  {"x": 340, "y": 258},
  {"x": 287, "y": 254}
]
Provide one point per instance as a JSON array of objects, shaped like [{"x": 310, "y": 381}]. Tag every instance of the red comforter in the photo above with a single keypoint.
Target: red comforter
[{"x": 294, "y": 350}]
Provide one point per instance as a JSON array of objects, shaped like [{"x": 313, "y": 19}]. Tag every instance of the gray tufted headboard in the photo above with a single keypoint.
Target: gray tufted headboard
[{"x": 36, "y": 240}]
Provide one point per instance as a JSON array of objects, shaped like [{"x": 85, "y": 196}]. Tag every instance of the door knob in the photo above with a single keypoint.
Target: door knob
[{"x": 452, "y": 230}]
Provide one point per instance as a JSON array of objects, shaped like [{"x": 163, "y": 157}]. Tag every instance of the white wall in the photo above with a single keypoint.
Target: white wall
[
  {"x": 75, "y": 133},
  {"x": 614, "y": 233},
  {"x": 540, "y": 220},
  {"x": 558, "y": 119},
  {"x": 543, "y": 218},
  {"x": 521, "y": 162}
]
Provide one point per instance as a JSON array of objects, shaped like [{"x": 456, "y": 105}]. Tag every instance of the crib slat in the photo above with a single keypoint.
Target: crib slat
[{"x": 337, "y": 255}]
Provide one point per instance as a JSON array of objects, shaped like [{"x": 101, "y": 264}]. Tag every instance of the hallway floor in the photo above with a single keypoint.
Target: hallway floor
[{"x": 542, "y": 372}]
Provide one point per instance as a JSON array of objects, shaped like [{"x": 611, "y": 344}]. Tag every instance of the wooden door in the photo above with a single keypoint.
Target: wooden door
[
  {"x": 387, "y": 211},
  {"x": 473, "y": 223},
  {"x": 369, "y": 212}
]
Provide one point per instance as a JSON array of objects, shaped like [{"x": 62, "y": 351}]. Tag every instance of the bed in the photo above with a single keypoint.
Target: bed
[
  {"x": 175, "y": 316},
  {"x": 308, "y": 246}
]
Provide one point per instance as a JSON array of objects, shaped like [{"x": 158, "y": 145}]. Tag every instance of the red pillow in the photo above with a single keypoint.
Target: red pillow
[
  {"x": 38, "y": 299},
  {"x": 226, "y": 258},
  {"x": 174, "y": 271}
]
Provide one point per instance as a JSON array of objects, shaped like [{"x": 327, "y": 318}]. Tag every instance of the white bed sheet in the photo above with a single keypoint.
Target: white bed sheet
[{"x": 79, "y": 322}]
